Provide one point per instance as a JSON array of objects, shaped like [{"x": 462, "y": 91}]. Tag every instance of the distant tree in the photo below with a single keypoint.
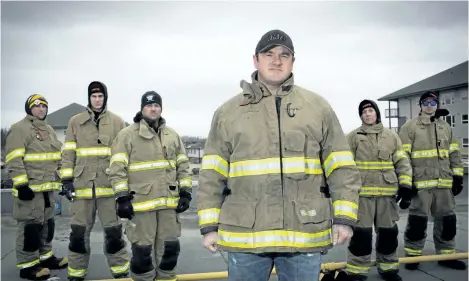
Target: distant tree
[{"x": 4, "y": 132}]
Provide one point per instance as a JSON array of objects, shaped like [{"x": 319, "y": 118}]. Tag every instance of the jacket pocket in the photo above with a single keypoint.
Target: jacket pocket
[
  {"x": 384, "y": 154},
  {"x": 294, "y": 146},
  {"x": 141, "y": 188},
  {"x": 56, "y": 145},
  {"x": 23, "y": 210},
  {"x": 390, "y": 177},
  {"x": 313, "y": 211},
  {"x": 35, "y": 174},
  {"x": 241, "y": 214},
  {"x": 78, "y": 177}
]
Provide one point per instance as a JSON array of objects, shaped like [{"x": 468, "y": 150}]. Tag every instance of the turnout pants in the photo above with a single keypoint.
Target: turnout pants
[
  {"x": 440, "y": 204},
  {"x": 83, "y": 219},
  {"x": 36, "y": 227},
  {"x": 382, "y": 212},
  {"x": 155, "y": 245}
]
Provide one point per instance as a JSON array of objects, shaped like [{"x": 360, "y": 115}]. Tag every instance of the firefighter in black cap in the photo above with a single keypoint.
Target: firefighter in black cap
[
  {"x": 32, "y": 159},
  {"x": 437, "y": 175},
  {"x": 84, "y": 173},
  {"x": 152, "y": 185},
  {"x": 385, "y": 172}
]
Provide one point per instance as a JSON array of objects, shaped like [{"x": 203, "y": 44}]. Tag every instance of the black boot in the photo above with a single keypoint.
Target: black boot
[
  {"x": 391, "y": 276},
  {"x": 344, "y": 276},
  {"x": 121, "y": 275},
  {"x": 75, "y": 278},
  {"x": 35, "y": 273},
  {"x": 453, "y": 264},
  {"x": 53, "y": 263},
  {"x": 412, "y": 266}
]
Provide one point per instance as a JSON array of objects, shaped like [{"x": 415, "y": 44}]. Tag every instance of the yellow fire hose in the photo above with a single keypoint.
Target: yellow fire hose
[{"x": 326, "y": 266}]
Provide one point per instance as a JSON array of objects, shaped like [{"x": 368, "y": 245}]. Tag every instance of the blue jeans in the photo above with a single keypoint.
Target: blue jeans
[{"x": 289, "y": 266}]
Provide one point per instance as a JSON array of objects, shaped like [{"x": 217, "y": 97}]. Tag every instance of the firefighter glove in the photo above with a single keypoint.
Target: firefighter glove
[
  {"x": 184, "y": 201},
  {"x": 124, "y": 206},
  {"x": 457, "y": 185},
  {"x": 25, "y": 193},
  {"x": 404, "y": 196},
  {"x": 68, "y": 190}
]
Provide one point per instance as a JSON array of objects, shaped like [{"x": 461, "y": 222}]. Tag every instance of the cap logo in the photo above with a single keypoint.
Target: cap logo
[
  {"x": 37, "y": 102},
  {"x": 150, "y": 97},
  {"x": 366, "y": 105},
  {"x": 276, "y": 37}
]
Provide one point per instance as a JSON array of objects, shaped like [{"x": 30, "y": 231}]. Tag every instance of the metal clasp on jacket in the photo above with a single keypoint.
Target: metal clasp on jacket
[{"x": 291, "y": 111}]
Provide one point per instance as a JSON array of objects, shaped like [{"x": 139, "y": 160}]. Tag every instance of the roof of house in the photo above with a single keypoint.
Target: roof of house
[
  {"x": 195, "y": 145},
  {"x": 451, "y": 78},
  {"x": 60, "y": 118}
]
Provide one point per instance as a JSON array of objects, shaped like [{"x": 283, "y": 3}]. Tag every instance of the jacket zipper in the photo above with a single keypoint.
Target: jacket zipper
[{"x": 278, "y": 103}]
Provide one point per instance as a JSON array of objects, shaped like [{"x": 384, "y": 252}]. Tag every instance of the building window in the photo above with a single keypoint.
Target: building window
[
  {"x": 450, "y": 120},
  {"x": 447, "y": 98},
  {"x": 465, "y": 142},
  {"x": 464, "y": 118},
  {"x": 464, "y": 95}
]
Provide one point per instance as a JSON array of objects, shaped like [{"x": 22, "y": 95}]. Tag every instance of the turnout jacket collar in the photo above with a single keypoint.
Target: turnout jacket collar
[{"x": 255, "y": 91}]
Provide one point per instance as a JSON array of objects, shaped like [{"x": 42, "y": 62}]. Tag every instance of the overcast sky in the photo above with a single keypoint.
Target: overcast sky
[{"x": 195, "y": 54}]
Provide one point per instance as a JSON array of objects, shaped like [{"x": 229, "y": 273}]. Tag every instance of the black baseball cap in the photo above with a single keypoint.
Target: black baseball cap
[{"x": 274, "y": 38}]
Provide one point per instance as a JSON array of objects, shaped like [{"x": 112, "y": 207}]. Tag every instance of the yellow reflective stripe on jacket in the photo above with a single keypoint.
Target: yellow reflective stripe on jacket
[
  {"x": 370, "y": 165},
  {"x": 155, "y": 203},
  {"x": 412, "y": 252},
  {"x": 181, "y": 158},
  {"x": 377, "y": 191},
  {"x": 15, "y": 153},
  {"x": 363, "y": 270},
  {"x": 429, "y": 153},
  {"x": 216, "y": 163},
  {"x": 71, "y": 145},
  {"x": 28, "y": 264},
  {"x": 149, "y": 165},
  {"x": 405, "y": 180},
  {"x": 208, "y": 216},
  {"x": 88, "y": 192},
  {"x": 47, "y": 186},
  {"x": 93, "y": 151},
  {"x": 388, "y": 266},
  {"x": 66, "y": 173},
  {"x": 76, "y": 272},
  {"x": 272, "y": 166},
  {"x": 344, "y": 208},
  {"x": 274, "y": 238},
  {"x": 336, "y": 160},
  {"x": 120, "y": 157},
  {"x": 407, "y": 147},
  {"x": 398, "y": 155},
  {"x": 434, "y": 183},
  {"x": 19, "y": 180},
  {"x": 48, "y": 156},
  {"x": 46, "y": 256},
  {"x": 120, "y": 186},
  {"x": 458, "y": 171},
  {"x": 185, "y": 182},
  {"x": 453, "y": 147},
  {"x": 120, "y": 268}
]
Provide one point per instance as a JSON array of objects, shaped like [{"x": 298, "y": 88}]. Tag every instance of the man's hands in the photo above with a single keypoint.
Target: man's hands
[
  {"x": 124, "y": 208},
  {"x": 341, "y": 233},
  {"x": 25, "y": 193},
  {"x": 68, "y": 190},
  {"x": 458, "y": 184},
  {"x": 210, "y": 241},
  {"x": 184, "y": 201}
]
